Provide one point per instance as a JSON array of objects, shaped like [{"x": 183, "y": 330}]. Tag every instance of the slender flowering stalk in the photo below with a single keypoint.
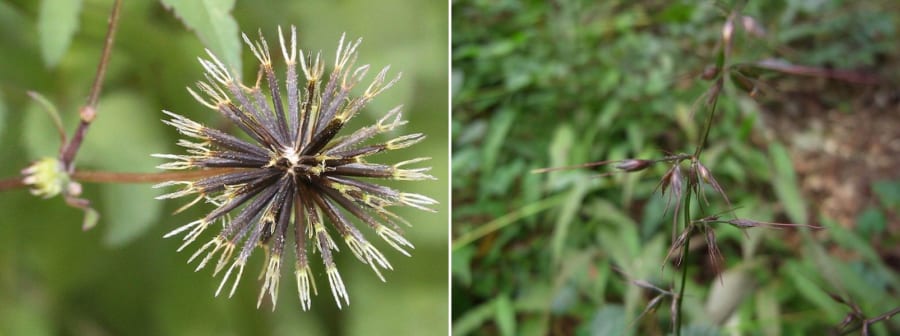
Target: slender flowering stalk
[{"x": 294, "y": 179}]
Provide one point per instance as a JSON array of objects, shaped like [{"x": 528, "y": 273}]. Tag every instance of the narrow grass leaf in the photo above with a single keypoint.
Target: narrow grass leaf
[
  {"x": 474, "y": 318},
  {"x": 768, "y": 311},
  {"x": 785, "y": 184},
  {"x": 566, "y": 216},
  {"x": 608, "y": 321},
  {"x": 2, "y": 116},
  {"x": 810, "y": 290},
  {"x": 852, "y": 241},
  {"x": 505, "y": 316},
  {"x": 496, "y": 137}
]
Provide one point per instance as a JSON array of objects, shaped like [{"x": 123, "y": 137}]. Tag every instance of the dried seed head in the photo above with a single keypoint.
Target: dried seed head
[
  {"x": 715, "y": 255},
  {"x": 710, "y": 72},
  {"x": 294, "y": 179},
  {"x": 633, "y": 165},
  {"x": 705, "y": 176},
  {"x": 677, "y": 244},
  {"x": 673, "y": 178}
]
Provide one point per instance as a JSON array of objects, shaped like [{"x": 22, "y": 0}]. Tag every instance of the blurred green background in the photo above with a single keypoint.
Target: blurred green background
[
  {"x": 122, "y": 278},
  {"x": 552, "y": 83}
]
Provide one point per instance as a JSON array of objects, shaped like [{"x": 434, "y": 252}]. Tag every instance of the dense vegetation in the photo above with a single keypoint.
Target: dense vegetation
[{"x": 805, "y": 132}]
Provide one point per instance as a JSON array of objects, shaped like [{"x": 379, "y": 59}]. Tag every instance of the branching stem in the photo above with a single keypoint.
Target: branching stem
[{"x": 88, "y": 112}]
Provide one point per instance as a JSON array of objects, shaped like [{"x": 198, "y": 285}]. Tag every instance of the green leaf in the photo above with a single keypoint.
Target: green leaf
[
  {"x": 2, "y": 117},
  {"x": 57, "y": 23},
  {"x": 39, "y": 135},
  {"x": 871, "y": 221},
  {"x": 811, "y": 291},
  {"x": 608, "y": 320},
  {"x": 768, "y": 311},
  {"x": 567, "y": 215},
  {"x": 496, "y": 137},
  {"x": 127, "y": 209},
  {"x": 473, "y": 318},
  {"x": 460, "y": 265},
  {"x": 506, "y": 316},
  {"x": 785, "y": 184},
  {"x": 211, "y": 20},
  {"x": 888, "y": 193}
]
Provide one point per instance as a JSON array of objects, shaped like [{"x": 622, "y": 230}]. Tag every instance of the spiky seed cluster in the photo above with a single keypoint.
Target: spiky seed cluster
[{"x": 294, "y": 175}]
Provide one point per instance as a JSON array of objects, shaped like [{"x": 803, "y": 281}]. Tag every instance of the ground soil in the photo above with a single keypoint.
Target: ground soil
[{"x": 840, "y": 144}]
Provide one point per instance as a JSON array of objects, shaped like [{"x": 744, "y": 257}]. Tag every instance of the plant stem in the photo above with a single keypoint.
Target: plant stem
[
  {"x": 684, "y": 262},
  {"x": 712, "y": 112},
  {"x": 110, "y": 177},
  {"x": 88, "y": 112}
]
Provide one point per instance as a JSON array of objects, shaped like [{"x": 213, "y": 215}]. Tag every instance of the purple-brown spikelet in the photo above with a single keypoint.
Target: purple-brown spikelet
[{"x": 294, "y": 179}]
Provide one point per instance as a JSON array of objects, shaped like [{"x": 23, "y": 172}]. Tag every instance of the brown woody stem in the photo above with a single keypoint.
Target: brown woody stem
[{"x": 88, "y": 112}]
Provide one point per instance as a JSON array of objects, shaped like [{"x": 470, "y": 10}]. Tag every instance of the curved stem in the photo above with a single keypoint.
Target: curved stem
[
  {"x": 684, "y": 262},
  {"x": 712, "y": 113}
]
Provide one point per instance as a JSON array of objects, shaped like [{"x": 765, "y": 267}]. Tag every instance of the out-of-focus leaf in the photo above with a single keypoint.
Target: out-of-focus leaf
[
  {"x": 564, "y": 299},
  {"x": 211, "y": 20},
  {"x": 812, "y": 291},
  {"x": 25, "y": 319},
  {"x": 534, "y": 325},
  {"x": 683, "y": 116},
  {"x": 90, "y": 219},
  {"x": 39, "y": 136},
  {"x": 608, "y": 321},
  {"x": 768, "y": 311},
  {"x": 505, "y": 316},
  {"x": 888, "y": 193},
  {"x": 854, "y": 242},
  {"x": 870, "y": 222},
  {"x": 460, "y": 265},
  {"x": 128, "y": 209},
  {"x": 495, "y": 138},
  {"x": 2, "y": 116},
  {"x": 565, "y": 219},
  {"x": 57, "y": 23},
  {"x": 619, "y": 234},
  {"x": 728, "y": 293},
  {"x": 785, "y": 184},
  {"x": 700, "y": 330},
  {"x": 560, "y": 152},
  {"x": 473, "y": 318}
]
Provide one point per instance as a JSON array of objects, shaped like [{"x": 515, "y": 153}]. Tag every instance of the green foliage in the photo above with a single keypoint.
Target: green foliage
[
  {"x": 3, "y": 116},
  {"x": 784, "y": 182},
  {"x": 547, "y": 84},
  {"x": 214, "y": 25},
  {"x": 122, "y": 277},
  {"x": 57, "y": 24},
  {"x": 107, "y": 148}
]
